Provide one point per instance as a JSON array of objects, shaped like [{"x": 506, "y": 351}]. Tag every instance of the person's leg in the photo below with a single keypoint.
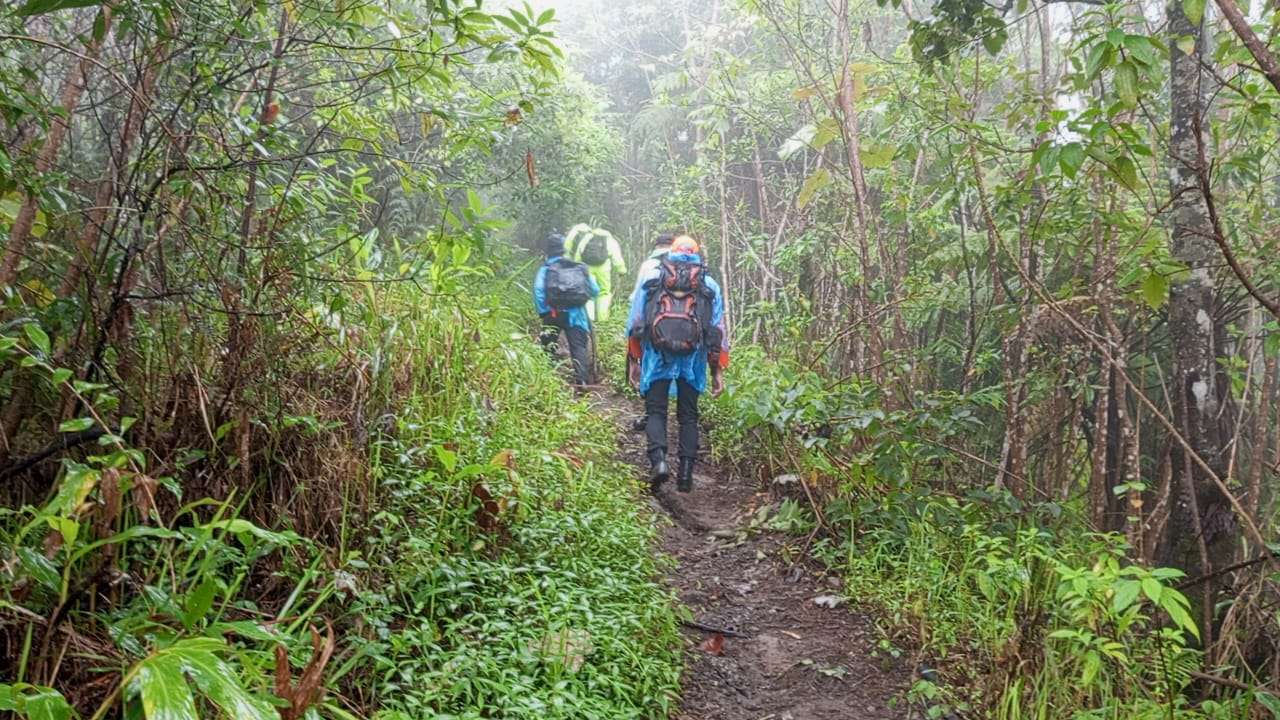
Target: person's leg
[
  {"x": 687, "y": 415},
  {"x": 655, "y": 407},
  {"x": 603, "y": 304},
  {"x": 579, "y": 353},
  {"x": 598, "y": 309}
]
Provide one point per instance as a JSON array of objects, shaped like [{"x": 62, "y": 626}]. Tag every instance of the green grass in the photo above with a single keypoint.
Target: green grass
[
  {"x": 541, "y": 602},
  {"x": 490, "y": 559}
]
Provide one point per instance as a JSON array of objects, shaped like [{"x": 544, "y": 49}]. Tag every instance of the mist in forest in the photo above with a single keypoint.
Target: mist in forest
[{"x": 285, "y": 432}]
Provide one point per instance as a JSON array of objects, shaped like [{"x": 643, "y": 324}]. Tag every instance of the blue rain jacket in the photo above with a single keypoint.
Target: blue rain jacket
[
  {"x": 658, "y": 365},
  {"x": 577, "y": 316}
]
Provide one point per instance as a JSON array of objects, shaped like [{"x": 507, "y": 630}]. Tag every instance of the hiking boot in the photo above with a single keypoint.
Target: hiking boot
[
  {"x": 684, "y": 481},
  {"x": 659, "y": 476}
]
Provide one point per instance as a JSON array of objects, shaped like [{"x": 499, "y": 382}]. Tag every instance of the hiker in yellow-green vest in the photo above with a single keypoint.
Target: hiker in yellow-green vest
[{"x": 597, "y": 249}]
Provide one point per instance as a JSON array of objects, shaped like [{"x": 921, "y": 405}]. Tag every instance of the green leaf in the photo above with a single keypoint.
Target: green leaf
[
  {"x": 37, "y": 336},
  {"x": 1141, "y": 48},
  {"x": 1070, "y": 158},
  {"x": 993, "y": 41},
  {"x": 159, "y": 681},
  {"x": 1270, "y": 702},
  {"x": 68, "y": 528},
  {"x": 1271, "y": 345},
  {"x": 1187, "y": 44},
  {"x": 76, "y": 425},
  {"x": 1125, "y": 171},
  {"x": 1181, "y": 617},
  {"x": 131, "y": 533},
  {"x": 40, "y": 568},
  {"x": 877, "y": 155},
  {"x": 47, "y": 704},
  {"x": 1100, "y": 56},
  {"x": 218, "y": 681},
  {"x": 828, "y": 129},
  {"x": 77, "y": 482},
  {"x": 448, "y": 458},
  {"x": 510, "y": 23},
  {"x": 1152, "y": 589},
  {"x": 812, "y": 184},
  {"x": 198, "y": 602},
  {"x": 1127, "y": 82},
  {"x": 1092, "y": 663},
  {"x": 1048, "y": 157},
  {"x": 40, "y": 7},
  {"x": 242, "y": 527},
  {"x": 1155, "y": 290},
  {"x": 1126, "y": 592},
  {"x": 1194, "y": 10}
]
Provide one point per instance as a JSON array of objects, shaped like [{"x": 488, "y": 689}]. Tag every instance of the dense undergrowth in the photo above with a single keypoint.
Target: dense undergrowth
[
  {"x": 1023, "y": 611},
  {"x": 489, "y": 559}
]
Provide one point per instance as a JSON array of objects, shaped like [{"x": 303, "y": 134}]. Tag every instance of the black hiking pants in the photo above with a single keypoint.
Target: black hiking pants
[
  {"x": 579, "y": 344},
  {"x": 655, "y": 408}
]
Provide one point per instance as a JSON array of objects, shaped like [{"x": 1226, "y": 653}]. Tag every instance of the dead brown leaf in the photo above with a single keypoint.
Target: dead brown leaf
[
  {"x": 310, "y": 686},
  {"x": 488, "y": 510},
  {"x": 713, "y": 645},
  {"x": 529, "y": 169}
]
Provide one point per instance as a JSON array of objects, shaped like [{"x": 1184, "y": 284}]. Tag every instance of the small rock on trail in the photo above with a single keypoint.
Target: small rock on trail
[{"x": 765, "y": 650}]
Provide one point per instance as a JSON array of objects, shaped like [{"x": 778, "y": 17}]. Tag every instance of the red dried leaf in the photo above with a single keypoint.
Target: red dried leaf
[
  {"x": 713, "y": 645},
  {"x": 487, "y": 512},
  {"x": 529, "y": 168}
]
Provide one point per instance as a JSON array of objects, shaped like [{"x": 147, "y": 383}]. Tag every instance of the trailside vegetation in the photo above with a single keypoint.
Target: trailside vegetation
[
  {"x": 266, "y": 383},
  {"x": 1001, "y": 279}
]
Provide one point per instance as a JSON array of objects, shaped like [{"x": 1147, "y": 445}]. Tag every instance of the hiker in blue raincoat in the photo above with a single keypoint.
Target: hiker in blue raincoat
[
  {"x": 676, "y": 334},
  {"x": 651, "y": 264},
  {"x": 561, "y": 291}
]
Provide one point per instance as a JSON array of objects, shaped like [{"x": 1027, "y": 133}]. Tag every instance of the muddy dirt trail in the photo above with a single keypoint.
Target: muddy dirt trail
[{"x": 786, "y": 653}]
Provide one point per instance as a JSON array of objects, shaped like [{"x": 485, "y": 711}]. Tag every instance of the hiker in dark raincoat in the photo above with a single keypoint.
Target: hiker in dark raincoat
[{"x": 561, "y": 291}]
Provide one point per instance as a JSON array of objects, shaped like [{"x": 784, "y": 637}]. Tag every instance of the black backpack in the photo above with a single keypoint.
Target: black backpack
[
  {"x": 596, "y": 250},
  {"x": 567, "y": 284},
  {"x": 678, "y": 308}
]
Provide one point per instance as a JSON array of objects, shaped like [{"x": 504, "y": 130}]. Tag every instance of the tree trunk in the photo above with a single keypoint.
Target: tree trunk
[
  {"x": 117, "y": 165},
  {"x": 73, "y": 87},
  {"x": 853, "y": 158},
  {"x": 1201, "y": 525}
]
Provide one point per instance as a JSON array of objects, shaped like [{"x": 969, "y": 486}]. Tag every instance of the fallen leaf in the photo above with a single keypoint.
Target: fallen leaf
[
  {"x": 713, "y": 645},
  {"x": 486, "y": 513},
  {"x": 567, "y": 647}
]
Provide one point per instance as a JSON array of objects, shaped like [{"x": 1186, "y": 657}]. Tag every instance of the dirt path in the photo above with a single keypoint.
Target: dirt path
[{"x": 795, "y": 659}]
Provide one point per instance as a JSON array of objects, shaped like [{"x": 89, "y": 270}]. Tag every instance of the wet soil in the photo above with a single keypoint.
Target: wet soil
[{"x": 758, "y": 646}]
